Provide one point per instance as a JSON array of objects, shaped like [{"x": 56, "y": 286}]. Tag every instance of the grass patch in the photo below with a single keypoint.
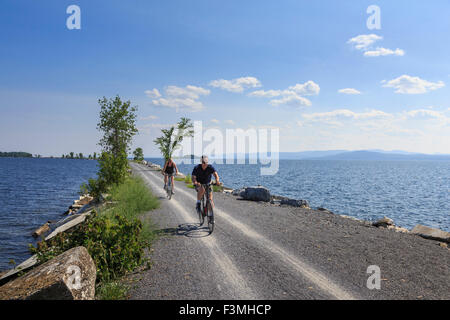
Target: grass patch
[
  {"x": 179, "y": 179},
  {"x": 190, "y": 186},
  {"x": 113, "y": 290},
  {"x": 188, "y": 179},
  {"x": 130, "y": 199}
]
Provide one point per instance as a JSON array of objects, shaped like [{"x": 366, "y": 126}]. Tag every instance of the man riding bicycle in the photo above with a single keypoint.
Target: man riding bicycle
[
  {"x": 202, "y": 175},
  {"x": 168, "y": 170}
]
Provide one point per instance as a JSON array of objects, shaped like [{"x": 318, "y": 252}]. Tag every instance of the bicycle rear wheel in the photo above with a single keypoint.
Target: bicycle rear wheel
[{"x": 210, "y": 218}]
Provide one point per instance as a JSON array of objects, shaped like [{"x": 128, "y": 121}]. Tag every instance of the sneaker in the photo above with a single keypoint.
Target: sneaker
[{"x": 165, "y": 187}]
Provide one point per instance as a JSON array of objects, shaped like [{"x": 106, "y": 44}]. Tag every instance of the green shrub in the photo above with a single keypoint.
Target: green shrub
[
  {"x": 188, "y": 179},
  {"x": 115, "y": 244},
  {"x": 94, "y": 188},
  {"x": 115, "y": 237}
]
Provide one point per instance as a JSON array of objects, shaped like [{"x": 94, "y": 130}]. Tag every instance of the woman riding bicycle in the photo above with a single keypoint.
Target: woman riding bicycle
[{"x": 168, "y": 170}]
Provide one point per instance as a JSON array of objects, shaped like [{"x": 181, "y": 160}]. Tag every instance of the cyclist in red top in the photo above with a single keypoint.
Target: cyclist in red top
[{"x": 169, "y": 168}]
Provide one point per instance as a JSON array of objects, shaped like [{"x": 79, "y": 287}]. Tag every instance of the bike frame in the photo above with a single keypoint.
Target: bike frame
[{"x": 169, "y": 189}]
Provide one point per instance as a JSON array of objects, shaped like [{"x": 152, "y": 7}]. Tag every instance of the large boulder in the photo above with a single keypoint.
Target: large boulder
[
  {"x": 258, "y": 193},
  {"x": 295, "y": 203},
  {"x": 69, "y": 276},
  {"x": 384, "y": 222},
  {"x": 431, "y": 233}
]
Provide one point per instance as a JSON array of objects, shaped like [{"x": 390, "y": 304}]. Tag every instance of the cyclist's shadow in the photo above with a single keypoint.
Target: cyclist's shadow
[{"x": 192, "y": 230}]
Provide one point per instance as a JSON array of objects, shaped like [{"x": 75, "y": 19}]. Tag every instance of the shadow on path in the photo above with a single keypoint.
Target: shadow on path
[{"x": 191, "y": 230}]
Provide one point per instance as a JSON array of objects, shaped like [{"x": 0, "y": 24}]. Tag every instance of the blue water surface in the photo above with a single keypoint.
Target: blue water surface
[{"x": 33, "y": 191}]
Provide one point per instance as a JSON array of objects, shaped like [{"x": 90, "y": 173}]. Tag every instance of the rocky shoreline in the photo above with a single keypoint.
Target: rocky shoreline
[{"x": 38, "y": 282}]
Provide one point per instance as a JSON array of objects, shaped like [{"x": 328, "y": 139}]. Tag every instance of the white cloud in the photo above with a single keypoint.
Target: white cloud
[
  {"x": 153, "y": 93},
  {"x": 412, "y": 85},
  {"x": 307, "y": 89},
  {"x": 291, "y": 96},
  {"x": 181, "y": 98},
  {"x": 236, "y": 85},
  {"x": 384, "y": 52},
  {"x": 364, "y": 41},
  {"x": 189, "y": 91},
  {"x": 151, "y": 117},
  {"x": 214, "y": 120},
  {"x": 266, "y": 94},
  {"x": 291, "y": 100},
  {"x": 423, "y": 114},
  {"x": 229, "y": 122},
  {"x": 345, "y": 113},
  {"x": 178, "y": 103},
  {"x": 349, "y": 91}
]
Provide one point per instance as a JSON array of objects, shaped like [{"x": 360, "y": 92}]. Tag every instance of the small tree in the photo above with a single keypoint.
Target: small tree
[
  {"x": 138, "y": 154},
  {"x": 71, "y": 155},
  {"x": 172, "y": 138},
  {"x": 118, "y": 124}
]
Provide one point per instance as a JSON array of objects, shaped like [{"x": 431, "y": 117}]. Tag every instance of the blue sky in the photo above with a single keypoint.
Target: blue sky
[{"x": 232, "y": 64}]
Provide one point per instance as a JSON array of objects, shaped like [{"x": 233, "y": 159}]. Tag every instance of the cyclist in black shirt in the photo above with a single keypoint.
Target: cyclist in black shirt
[{"x": 202, "y": 175}]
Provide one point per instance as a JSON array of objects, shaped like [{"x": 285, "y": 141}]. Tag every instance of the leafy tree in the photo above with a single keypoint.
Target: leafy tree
[
  {"x": 118, "y": 124},
  {"x": 95, "y": 155},
  {"x": 138, "y": 154},
  {"x": 172, "y": 138},
  {"x": 71, "y": 155}
]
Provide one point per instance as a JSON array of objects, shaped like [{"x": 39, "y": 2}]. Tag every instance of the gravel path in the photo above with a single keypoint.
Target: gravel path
[{"x": 263, "y": 251}]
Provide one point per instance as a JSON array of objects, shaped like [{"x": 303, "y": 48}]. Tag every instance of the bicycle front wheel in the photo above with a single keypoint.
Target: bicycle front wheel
[
  {"x": 169, "y": 190},
  {"x": 200, "y": 215},
  {"x": 210, "y": 218}
]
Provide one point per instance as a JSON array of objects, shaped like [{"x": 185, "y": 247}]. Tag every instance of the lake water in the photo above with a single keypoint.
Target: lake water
[
  {"x": 409, "y": 192},
  {"x": 33, "y": 191}
]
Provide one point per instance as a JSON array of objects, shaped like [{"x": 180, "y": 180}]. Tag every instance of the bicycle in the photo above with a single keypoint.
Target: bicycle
[
  {"x": 169, "y": 186},
  {"x": 206, "y": 208}
]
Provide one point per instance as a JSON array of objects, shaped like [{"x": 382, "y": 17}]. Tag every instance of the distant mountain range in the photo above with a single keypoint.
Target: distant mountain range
[
  {"x": 374, "y": 154},
  {"x": 362, "y": 155}
]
